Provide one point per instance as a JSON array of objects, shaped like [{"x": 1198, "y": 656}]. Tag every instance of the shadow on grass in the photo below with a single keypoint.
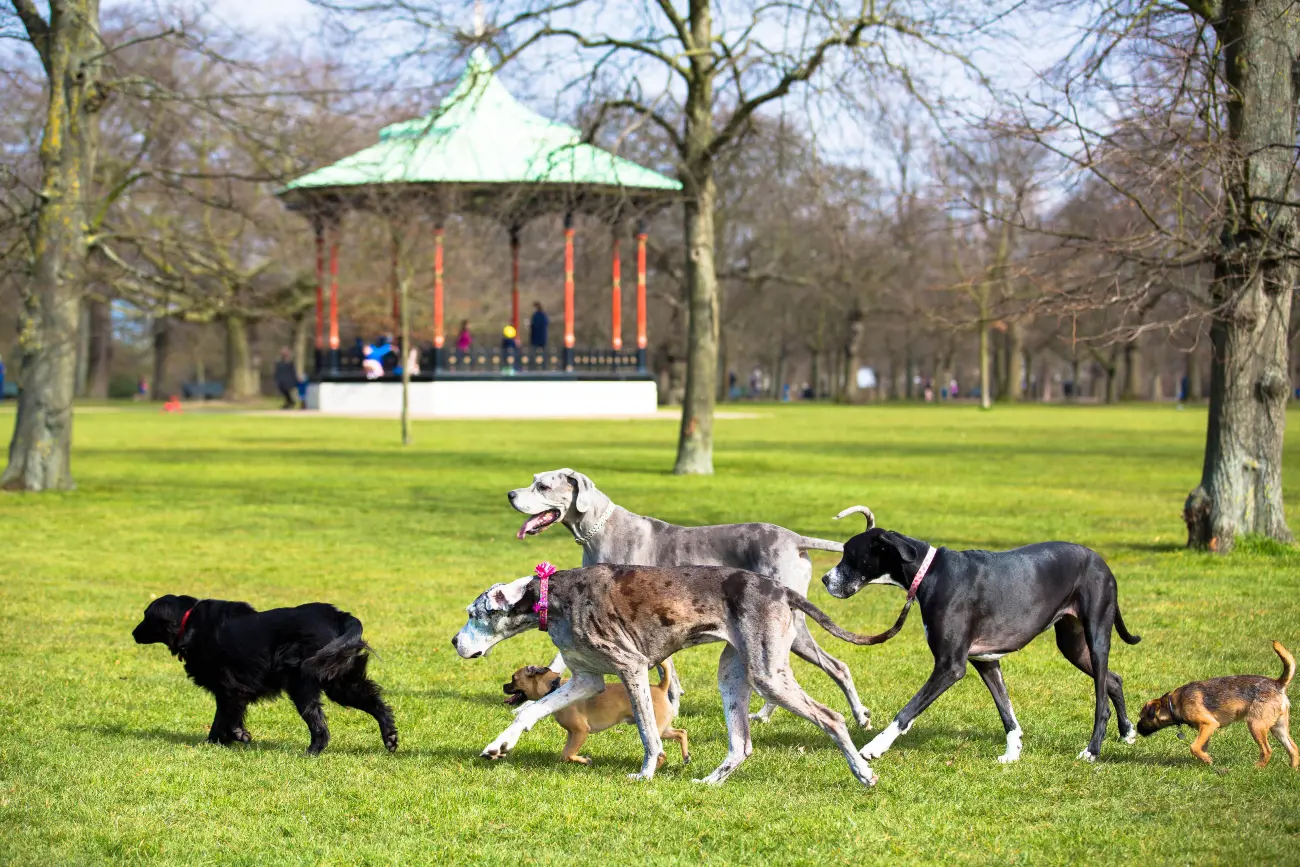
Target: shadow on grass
[{"x": 172, "y": 737}]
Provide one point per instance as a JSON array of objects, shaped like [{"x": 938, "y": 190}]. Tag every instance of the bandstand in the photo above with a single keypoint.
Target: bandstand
[{"x": 482, "y": 152}]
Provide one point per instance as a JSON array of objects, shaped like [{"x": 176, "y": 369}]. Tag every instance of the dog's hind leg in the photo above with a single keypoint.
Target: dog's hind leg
[
  {"x": 781, "y": 687},
  {"x": 946, "y": 673},
  {"x": 807, "y": 649},
  {"x": 643, "y": 710},
  {"x": 1073, "y": 645},
  {"x": 991, "y": 674},
  {"x": 678, "y": 735},
  {"x": 306, "y": 697},
  {"x": 733, "y": 683},
  {"x": 360, "y": 692},
  {"x": 1259, "y": 731},
  {"x": 1282, "y": 731},
  {"x": 1099, "y": 651}
]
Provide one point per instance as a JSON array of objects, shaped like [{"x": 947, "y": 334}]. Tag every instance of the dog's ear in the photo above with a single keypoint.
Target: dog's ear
[
  {"x": 586, "y": 490},
  {"x": 503, "y": 597},
  {"x": 555, "y": 684},
  {"x": 899, "y": 544},
  {"x": 534, "y": 670}
]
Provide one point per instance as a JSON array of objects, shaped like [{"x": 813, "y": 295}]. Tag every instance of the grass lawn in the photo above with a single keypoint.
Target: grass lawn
[{"x": 101, "y": 741}]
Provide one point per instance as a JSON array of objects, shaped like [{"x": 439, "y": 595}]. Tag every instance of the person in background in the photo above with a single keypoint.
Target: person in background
[
  {"x": 464, "y": 340},
  {"x": 142, "y": 389},
  {"x": 286, "y": 378},
  {"x": 538, "y": 326},
  {"x": 509, "y": 348}
]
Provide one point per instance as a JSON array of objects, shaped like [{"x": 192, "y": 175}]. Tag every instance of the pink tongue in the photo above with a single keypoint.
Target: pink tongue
[{"x": 535, "y": 524}]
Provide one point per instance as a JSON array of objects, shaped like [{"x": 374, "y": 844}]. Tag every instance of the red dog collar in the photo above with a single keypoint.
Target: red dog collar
[
  {"x": 185, "y": 618},
  {"x": 920, "y": 573},
  {"x": 544, "y": 571}
]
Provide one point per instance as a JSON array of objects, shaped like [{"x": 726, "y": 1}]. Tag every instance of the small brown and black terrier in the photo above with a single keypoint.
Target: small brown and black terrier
[
  {"x": 242, "y": 655},
  {"x": 1211, "y": 704}
]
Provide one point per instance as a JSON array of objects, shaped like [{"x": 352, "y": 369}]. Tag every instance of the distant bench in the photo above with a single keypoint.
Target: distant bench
[{"x": 203, "y": 390}]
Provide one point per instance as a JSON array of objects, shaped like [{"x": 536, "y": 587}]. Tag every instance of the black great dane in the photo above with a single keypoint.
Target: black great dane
[{"x": 978, "y": 606}]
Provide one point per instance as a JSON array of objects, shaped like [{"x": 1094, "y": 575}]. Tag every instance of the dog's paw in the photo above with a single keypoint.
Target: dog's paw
[
  {"x": 871, "y": 752},
  {"x": 760, "y": 717},
  {"x": 710, "y": 780},
  {"x": 1087, "y": 755},
  {"x": 241, "y": 734},
  {"x": 390, "y": 741},
  {"x": 1130, "y": 738},
  {"x": 1008, "y": 758},
  {"x": 641, "y": 776},
  {"x": 864, "y": 719},
  {"x": 498, "y": 749}
]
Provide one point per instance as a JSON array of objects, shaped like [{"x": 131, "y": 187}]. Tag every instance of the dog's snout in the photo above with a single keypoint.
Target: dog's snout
[
  {"x": 826, "y": 580},
  {"x": 454, "y": 645},
  {"x": 511, "y": 496}
]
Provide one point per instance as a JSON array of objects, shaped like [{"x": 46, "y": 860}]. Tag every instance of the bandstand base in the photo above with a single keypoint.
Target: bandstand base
[{"x": 505, "y": 397}]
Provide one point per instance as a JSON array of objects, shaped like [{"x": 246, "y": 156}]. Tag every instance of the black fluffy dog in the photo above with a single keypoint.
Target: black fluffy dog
[{"x": 241, "y": 655}]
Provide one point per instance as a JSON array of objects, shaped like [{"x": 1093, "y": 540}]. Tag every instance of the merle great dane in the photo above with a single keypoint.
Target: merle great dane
[
  {"x": 978, "y": 606},
  {"x": 624, "y": 619},
  {"x": 611, "y": 534}
]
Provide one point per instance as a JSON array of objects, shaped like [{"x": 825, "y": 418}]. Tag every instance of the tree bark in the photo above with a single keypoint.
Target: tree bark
[
  {"x": 986, "y": 379},
  {"x": 1132, "y": 372},
  {"x": 1241, "y": 479},
  {"x": 695, "y": 441},
  {"x": 100, "y": 359},
  {"x": 40, "y": 452},
  {"x": 162, "y": 332},
  {"x": 1013, "y": 367},
  {"x": 851, "y": 342},
  {"x": 241, "y": 377},
  {"x": 300, "y": 342}
]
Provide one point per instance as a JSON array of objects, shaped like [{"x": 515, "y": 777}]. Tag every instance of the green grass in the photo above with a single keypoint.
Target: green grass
[{"x": 101, "y": 753}]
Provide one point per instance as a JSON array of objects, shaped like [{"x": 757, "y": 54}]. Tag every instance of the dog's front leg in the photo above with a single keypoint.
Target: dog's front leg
[
  {"x": 581, "y": 686},
  {"x": 643, "y": 710},
  {"x": 946, "y": 673}
]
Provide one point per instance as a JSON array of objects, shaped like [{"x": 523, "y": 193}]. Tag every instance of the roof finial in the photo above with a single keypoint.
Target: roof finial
[{"x": 479, "y": 20}]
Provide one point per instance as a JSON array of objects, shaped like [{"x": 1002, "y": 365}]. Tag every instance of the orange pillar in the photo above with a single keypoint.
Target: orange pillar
[
  {"x": 640, "y": 298},
  {"x": 514, "y": 282},
  {"x": 320, "y": 295},
  {"x": 568, "y": 291},
  {"x": 437, "y": 288},
  {"x": 334, "y": 301},
  {"x": 616, "y": 308}
]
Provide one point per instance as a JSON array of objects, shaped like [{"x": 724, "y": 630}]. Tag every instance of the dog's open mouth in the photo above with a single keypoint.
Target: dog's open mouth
[
  {"x": 537, "y": 523},
  {"x": 515, "y": 699}
]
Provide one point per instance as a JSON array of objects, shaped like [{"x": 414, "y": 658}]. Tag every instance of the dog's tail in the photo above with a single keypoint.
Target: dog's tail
[
  {"x": 800, "y": 602},
  {"x": 1288, "y": 665},
  {"x": 810, "y": 543},
  {"x": 1129, "y": 638},
  {"x": 336, "y": 658}
]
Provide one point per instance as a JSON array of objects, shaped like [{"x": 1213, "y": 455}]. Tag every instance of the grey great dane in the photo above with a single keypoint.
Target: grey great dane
[{"x": 611, "y": 534}]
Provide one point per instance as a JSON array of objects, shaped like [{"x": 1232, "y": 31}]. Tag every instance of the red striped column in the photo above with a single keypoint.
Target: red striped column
[
  {"x": 616, "y": 302},
  {"x": 438, "y": 337}
]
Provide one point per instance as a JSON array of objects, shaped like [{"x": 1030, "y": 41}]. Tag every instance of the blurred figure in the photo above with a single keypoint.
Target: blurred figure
[
  {"x": 286, "y": 378},
  {"x": 538, "y": 327},
  {"x": 464, "y": 340}
]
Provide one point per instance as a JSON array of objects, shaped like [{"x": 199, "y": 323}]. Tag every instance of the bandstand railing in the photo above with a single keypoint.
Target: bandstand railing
[{"x": 494, "y": 363}]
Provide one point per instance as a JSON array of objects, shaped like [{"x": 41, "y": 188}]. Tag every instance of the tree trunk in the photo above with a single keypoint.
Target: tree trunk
[
  {"x": 986, "y": 382},
  {"x": 100, "y": 359},
  {"x": 301, "y": 340},
  {"x": 40, "y": 452},
  {"x": 162, "y": 332},
  {"x": 1013, "y": 367},
  {"x": 695, "y": 441},
  {"x": 241, "y": 379},
  {"x": 1132, "y": 372},
  {"x": 83, "y": 348},
  {"x": 722, "y": 368},
  {"x": 1241, "y": 479},
  {"x": 851, "y": 342}
]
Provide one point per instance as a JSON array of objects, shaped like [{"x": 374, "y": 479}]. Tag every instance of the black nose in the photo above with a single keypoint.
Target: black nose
[
  {"x": 511, "y": 496},
  {"x": 826, "y": 580},
  {"x": 453, "y": 643}
]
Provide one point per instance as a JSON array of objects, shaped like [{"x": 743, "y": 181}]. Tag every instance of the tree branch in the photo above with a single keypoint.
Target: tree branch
[{"x": 38, "y": 30}]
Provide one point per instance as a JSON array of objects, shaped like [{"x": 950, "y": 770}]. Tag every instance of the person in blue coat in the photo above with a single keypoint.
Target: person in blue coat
[{"x": 538, "y": 327}]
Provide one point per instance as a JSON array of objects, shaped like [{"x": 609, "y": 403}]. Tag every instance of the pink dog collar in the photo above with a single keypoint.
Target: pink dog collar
[
  {"x": 544, "y": 571},
  {"x": 920, "y": 573}
]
